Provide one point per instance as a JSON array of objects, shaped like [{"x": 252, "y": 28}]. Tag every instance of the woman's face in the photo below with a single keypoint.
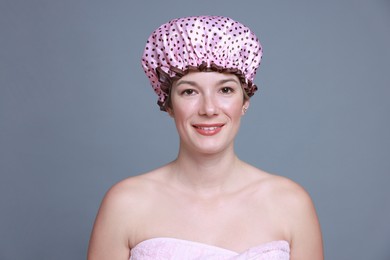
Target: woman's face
[{"x": 207, "y": 108}]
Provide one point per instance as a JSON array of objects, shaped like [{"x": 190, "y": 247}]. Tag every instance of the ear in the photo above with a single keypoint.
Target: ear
[
  {"x": 170, "y": 112},
  {"x": 245, "y": 107}
]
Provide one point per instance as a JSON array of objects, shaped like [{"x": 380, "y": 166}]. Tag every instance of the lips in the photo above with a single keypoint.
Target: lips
[{"x": 208, "y": 129}]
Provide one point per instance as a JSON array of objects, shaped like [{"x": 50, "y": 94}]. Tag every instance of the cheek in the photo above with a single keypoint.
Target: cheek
[
  {"x": 184, "y": 108},
  {"x": 233, "y": 108},
  {"x": 182, "y": 112}
]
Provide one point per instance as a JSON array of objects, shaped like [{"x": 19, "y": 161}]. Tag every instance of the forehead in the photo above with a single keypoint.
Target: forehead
[{"x": 211, "y": 77}]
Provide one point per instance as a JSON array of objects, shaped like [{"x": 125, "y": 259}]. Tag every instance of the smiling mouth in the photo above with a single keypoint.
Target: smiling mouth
[
  {"x": 208, "y": 130},
  {"x": 212, "y": 128}
]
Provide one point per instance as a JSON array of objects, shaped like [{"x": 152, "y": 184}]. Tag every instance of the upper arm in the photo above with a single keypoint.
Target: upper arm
[
  {"x": 306, "y": 238},
  {"x": 109, "y": 238}
]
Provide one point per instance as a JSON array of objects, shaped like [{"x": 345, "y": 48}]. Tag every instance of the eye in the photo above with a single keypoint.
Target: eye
[
  {"x": 227, "y": 90},
  {"x": 188, "y": 92}
]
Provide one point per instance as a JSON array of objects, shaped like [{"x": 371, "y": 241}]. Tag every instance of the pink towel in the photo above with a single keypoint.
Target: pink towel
[{"x": 178, "y": 249}]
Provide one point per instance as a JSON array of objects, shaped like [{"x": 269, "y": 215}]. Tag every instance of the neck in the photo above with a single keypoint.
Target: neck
[{"x": 206, "y": 174}]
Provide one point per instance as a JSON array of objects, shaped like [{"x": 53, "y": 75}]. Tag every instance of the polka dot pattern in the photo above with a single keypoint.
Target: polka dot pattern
[{"x": 201, "y": 42}]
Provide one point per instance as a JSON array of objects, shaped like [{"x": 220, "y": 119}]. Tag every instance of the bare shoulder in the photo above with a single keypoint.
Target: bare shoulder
[
  {"x": 287, "y": 192},
  {"x": 118, "y": 216},
  {"x": 279, "y": 190},
  {"x": 133, "y": 192},
  {"x": 129, "y": 189},
  {"x": 294, "y": 208}
]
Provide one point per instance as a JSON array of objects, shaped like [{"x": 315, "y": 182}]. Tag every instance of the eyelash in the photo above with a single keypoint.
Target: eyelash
[
  {"x": 227, "y": 90},
  {"x": 223, "y": 90},
  {"x": 186, "y": 92}
]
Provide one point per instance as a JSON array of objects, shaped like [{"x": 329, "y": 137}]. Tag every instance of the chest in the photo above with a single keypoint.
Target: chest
[{"x": 232, "y": 223}]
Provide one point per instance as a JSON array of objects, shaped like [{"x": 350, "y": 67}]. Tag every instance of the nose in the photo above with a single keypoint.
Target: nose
[{"x": 209, "y": 106}]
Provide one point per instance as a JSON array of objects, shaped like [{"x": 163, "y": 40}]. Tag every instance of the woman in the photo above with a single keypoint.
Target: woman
[{"x": 206, "y": 204}]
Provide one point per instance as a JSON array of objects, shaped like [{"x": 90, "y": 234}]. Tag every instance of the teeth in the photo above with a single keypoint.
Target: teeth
[{"x": 208, "y": 128}]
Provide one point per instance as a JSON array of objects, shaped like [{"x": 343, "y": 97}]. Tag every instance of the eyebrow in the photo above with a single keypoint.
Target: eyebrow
[
  {"x": 193, "y": 83},
  {"x": 180, "y": 82},
  {"x": 221, "y": 82}
]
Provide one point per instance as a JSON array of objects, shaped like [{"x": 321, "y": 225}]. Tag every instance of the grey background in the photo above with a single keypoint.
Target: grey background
[{"x": 77, "y": 114}]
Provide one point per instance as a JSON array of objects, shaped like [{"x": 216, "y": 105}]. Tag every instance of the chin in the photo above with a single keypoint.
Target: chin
[{"x": 210, "y": 149}]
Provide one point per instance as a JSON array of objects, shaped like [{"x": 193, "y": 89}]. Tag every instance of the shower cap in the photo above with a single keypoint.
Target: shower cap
[{"x": 200, "y": 43}]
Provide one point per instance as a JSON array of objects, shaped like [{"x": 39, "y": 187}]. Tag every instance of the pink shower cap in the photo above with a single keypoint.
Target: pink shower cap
[{"x": 200, "y": 43}]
